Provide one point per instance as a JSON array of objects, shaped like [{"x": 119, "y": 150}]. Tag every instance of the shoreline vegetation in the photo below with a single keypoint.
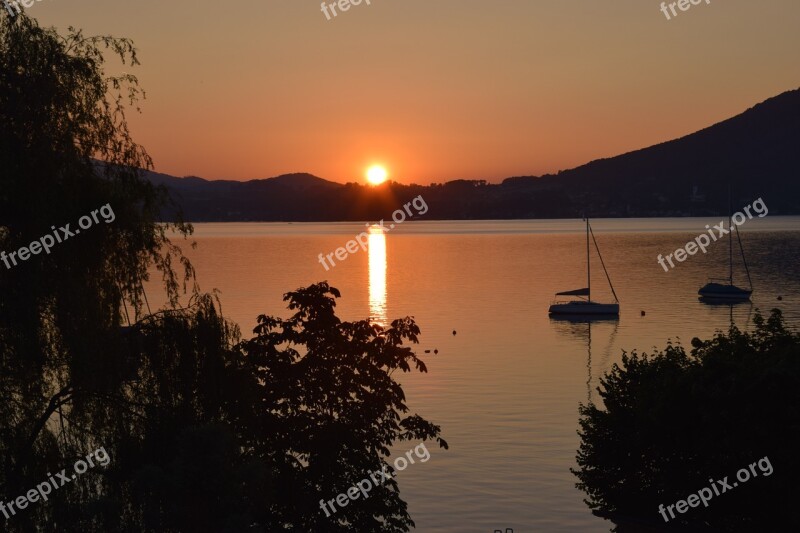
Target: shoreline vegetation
[
  {"x": 671, "y": 420},
  {"x": 208, "y": 431}
]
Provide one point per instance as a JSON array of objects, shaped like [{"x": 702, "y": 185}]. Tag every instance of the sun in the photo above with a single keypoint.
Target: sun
[{"x": 376, "y": 174}]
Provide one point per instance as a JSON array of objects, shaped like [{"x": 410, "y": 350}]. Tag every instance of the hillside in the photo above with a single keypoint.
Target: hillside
[{"x": 756, "y": 153}]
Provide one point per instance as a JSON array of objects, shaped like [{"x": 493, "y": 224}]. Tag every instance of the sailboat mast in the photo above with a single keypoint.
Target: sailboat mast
[
  {"x": 730, "y": 250},
  {"x": 730, "y": 239},
  {"x": 741, "y": 249},
  {"x": 588, "y": 262}
]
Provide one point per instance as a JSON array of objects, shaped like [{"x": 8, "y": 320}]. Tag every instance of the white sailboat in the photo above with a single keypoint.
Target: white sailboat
[
  {"x": 728, "y": 292},
  {"x": 585, "y": 305}
]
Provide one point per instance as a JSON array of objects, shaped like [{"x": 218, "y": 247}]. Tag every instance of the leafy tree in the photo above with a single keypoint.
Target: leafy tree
[
  {"x": 251, "y": 435},
  {"x": 65, "y": 150},
  {"x": 673, "y": 420},
  {"x": 335, "y": 409},
  {"x": 204, "y": 432}
]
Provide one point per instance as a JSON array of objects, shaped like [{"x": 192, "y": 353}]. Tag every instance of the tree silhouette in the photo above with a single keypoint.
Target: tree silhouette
[
  {"x": 204, "y": 432},
  {"x": 674, "y": 421},
  {"x": 334, "y": 408},
  {"x": 65, "y": 151}
]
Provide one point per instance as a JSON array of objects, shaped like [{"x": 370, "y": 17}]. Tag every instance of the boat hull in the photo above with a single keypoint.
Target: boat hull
[
  {"x": 583, "y": 308},
  {"x": 718, "y": 291}
]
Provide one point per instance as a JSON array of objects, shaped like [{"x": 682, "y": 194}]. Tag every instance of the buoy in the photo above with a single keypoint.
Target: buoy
[
  {"x": 780, "y": 298},
  {"x": 436, "y": 351},
  {"x": 642, "y": 313},
  {"x": 454, "y": 333}
]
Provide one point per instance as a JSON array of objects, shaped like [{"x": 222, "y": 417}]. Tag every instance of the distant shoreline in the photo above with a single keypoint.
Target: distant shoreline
[{"x": 777, "y": 223}]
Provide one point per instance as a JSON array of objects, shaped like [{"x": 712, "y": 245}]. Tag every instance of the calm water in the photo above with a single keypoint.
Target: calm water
[{"x": 506, "y": 388}]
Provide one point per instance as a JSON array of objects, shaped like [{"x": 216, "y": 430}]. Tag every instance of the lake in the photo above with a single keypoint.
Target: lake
[{"x": 506, "y": 387}]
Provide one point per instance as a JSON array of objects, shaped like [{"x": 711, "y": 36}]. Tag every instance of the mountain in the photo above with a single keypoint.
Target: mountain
[
  {"x": 754, "y": 154},
  {"x": 261, "y": 199}
]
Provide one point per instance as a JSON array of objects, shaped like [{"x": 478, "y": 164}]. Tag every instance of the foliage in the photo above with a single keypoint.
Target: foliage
[
  {"x": 333, "y": 405},
  {"x": 65, "y": 150},
  {"x": 674, "y": 420},
  {"x": 204, "y": 433}
]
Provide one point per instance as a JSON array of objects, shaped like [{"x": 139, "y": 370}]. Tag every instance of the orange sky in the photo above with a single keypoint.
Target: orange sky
[{"x": 435, "y": 90}]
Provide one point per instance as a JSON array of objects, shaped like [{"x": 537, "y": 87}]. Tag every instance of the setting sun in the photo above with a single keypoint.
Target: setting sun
[{"x": 376, "y": 174}]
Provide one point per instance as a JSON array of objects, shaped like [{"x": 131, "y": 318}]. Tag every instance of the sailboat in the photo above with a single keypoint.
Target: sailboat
[
  {"x": 728, "y": 292},
  {"x": 585, "y": 306}
]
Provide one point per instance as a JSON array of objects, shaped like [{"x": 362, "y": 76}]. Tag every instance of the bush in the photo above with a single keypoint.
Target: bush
[{"x": 673, "y": 421}]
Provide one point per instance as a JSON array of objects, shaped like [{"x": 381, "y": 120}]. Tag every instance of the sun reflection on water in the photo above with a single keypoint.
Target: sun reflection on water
[{"x": 377, "y": 275}]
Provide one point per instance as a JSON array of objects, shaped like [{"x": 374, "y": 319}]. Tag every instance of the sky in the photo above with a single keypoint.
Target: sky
[{"x": 433, "y": 90}]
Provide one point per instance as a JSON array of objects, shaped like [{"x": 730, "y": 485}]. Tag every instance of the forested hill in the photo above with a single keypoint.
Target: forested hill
[{"x": 756, "y": 153}]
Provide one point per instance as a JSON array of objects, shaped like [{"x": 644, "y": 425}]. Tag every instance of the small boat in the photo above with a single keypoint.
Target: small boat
[
  {"x": 727, "y": 292},
  {"x": 585, "y": 306},
  {"x": 713, "y": 291}
]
